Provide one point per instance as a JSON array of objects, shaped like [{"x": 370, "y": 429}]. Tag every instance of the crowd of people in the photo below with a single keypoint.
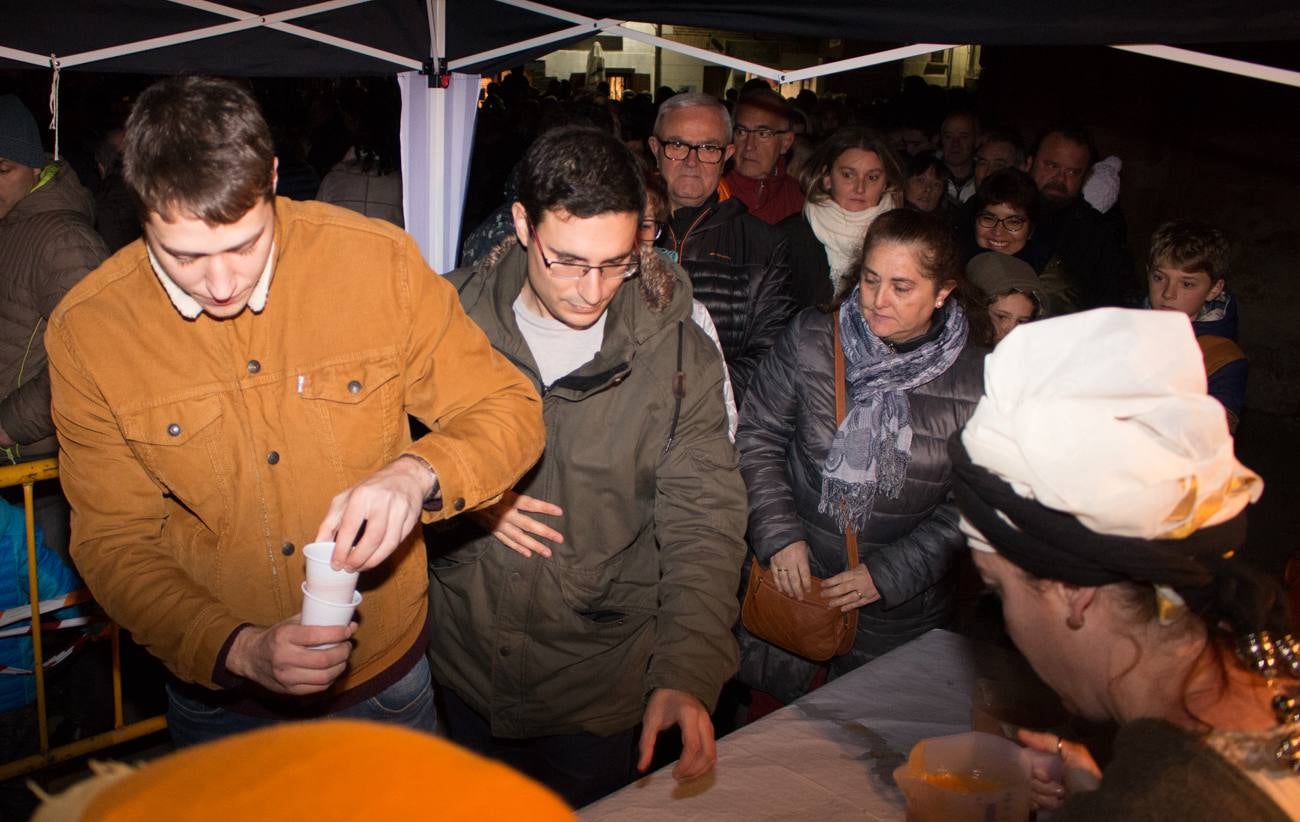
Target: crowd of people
[{"x": 693, "y": 332}]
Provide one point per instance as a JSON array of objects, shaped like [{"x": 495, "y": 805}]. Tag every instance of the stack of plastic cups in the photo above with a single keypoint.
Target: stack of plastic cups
[{"x": 329, "y": 597}]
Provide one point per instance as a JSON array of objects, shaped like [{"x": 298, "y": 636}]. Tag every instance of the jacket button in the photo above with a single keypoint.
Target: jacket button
[
  {"x": 459, "y": 504},
  {"x": 174, "y": 430},
  {"x": 273, "y": 457},
  {"x": 287, "y": 549},
  {"x": 254, "y": 366},
  {"x": 504, "y": 651},
  {"x": 354, "y": 387}
]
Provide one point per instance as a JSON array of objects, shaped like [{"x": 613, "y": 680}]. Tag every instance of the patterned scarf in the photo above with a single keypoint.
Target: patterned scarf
[{"x": 873, "y": 446}]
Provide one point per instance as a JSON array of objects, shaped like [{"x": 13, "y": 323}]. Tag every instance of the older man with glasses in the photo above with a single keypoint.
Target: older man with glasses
[
  {"x": 739, "y": 266},
  {"x": 598, "y": 595},
  {"x": 758, "y": 177}
]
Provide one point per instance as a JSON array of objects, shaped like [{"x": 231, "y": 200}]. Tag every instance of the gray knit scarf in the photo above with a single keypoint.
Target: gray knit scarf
[{"x": 873, "y": 446}]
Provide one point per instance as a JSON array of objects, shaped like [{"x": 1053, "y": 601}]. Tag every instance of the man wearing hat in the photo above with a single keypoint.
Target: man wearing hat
[{"x": 47, "y": 244}]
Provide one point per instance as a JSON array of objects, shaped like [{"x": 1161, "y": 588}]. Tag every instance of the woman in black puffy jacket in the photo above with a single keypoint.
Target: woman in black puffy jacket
[{"x": 913, "y": 375}]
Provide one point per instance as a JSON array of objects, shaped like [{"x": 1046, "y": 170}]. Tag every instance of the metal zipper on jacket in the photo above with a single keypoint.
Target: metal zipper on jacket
[{"x": 681, "y": 245}]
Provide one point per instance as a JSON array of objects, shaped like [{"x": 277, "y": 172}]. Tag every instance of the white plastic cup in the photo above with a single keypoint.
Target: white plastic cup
[
  {"x": 317, "y": 611},
  {"x": 323, "y": 581}
]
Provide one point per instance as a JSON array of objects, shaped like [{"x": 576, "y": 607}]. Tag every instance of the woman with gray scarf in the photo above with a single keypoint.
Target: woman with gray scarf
[{"x": 912, "y": 378}]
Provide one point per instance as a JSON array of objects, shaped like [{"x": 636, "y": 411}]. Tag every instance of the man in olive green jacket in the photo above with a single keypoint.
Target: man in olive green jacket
[{"x": 601, "y": 593}]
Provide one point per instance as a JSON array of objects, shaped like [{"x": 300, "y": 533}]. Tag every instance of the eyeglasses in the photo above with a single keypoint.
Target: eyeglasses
[
  {"x": 763, "y": 133},
  {"x": 706, "y": 153},
  {"x": 650, "y": 231},
  {"x": 1014, "y": 224},
  {"x": 576, "y": 271}
]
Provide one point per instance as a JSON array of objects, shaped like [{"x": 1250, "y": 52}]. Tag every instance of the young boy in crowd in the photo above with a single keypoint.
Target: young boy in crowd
[{"x": 1186, "y": 271}]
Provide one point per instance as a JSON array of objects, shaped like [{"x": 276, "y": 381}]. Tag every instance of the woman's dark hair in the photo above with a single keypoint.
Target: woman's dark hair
[
  {"x": 929, "y": 236},
  {"x": 822, "y": 161},
  {"x": 931, "y": 239},
  {"x": 1238, "y": 601},
  {"x": 656, "y": 190},
  {"x": 656, "y": 277},
  {"x": 1010, "y": 187},
  {"x": 581, "y": 171},
  {"x": 923, "y": 162}
]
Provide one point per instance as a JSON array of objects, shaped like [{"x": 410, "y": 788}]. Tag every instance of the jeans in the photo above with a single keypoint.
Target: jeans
[{"x": 407, "y": 702}]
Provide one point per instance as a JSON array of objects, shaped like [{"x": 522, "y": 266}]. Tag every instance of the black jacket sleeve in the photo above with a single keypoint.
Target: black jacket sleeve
[
  {"x": 771, "y": 308},
  {"x": 767, "y": 424}
]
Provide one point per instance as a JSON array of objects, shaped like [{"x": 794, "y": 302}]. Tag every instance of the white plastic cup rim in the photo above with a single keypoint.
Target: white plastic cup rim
[
  {"x": 341, "y": 607},
  {"x": 319, "y": 553},
  {"x": 323, "y": 581}
]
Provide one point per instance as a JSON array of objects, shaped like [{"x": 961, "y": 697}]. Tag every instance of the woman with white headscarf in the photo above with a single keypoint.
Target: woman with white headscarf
[{"x": 1114, "y": 550}]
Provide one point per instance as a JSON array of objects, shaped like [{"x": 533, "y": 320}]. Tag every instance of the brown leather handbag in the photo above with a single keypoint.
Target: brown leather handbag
[{"x": 807, "y": 627}]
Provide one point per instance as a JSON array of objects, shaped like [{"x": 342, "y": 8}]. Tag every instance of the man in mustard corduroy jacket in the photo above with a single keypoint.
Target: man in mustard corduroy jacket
[{"x": 236, "y": 384}]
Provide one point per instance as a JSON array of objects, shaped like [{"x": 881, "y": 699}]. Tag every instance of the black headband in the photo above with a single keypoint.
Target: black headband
[{"x": 1054, "y": 545}]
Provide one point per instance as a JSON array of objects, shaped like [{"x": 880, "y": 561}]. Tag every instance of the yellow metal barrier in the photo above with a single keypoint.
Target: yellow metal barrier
[{"x": 27, "y": 474}]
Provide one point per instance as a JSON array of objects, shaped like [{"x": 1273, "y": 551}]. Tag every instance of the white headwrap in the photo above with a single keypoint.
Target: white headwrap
[{"x": 1117, "y": 394}]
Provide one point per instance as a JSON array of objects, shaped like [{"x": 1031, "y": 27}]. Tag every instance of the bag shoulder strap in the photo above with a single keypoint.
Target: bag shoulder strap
[{"x": 850, "y": 536}]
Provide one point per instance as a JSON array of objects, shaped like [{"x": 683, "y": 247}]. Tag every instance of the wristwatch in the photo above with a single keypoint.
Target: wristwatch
[{"x": 432, "y": 500}]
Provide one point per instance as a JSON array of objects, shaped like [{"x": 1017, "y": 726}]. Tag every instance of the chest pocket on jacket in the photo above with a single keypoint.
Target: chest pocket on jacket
[
  {"x": 358, "y": 407},
  {"x": 180, "y": 445}
]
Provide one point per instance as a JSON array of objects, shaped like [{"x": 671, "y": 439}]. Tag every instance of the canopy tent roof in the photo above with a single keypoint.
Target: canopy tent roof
[
  {"x": 276, "y": 37},
  {"x": 298, "y": 38}
]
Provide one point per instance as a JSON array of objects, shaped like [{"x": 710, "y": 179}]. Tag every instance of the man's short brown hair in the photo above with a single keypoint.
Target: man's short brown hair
[{"x": 198, "y": 145}]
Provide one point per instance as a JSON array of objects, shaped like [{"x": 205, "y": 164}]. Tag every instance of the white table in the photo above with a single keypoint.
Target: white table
[{"x": 830, "y": 755}]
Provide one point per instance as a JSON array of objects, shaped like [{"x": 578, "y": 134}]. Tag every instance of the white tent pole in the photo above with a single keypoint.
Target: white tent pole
[
  {"x": 439, "y": 221},
  {"x": 437, "y": 11},
  {"x": 1211, "y": 61},
  {"x": 437, "y": 137},
  {"x": 24, "y": 57},
  {"x": 698, "y": 53},
  {"x": 900, "y": 53}
]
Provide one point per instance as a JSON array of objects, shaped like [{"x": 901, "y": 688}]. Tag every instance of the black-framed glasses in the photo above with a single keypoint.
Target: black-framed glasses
[
  {"x": 1015, "y": 223},
  {"x": 763, "y": 133},
  {"x": 705, "y": 152},
  {"x": 576, "y": 271}
]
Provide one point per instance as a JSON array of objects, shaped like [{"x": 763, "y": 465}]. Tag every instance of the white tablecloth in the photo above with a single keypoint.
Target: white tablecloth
[{"x": 830, "y": 755}]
